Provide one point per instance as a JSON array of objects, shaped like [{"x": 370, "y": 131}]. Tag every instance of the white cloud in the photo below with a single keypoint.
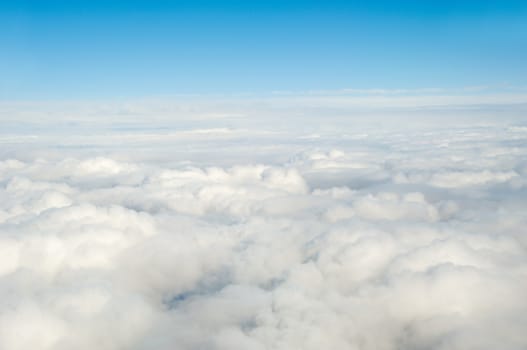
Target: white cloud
[{"x": 240, "y": 237}]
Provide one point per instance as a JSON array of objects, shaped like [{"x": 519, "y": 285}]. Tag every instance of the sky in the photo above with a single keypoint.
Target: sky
[
  {"x": 75, "y": 50},
  {"x": 250, "y": 175}
]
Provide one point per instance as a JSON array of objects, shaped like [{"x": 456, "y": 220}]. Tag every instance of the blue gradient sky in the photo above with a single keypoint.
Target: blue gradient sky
[{"x": 110, "y": 49}]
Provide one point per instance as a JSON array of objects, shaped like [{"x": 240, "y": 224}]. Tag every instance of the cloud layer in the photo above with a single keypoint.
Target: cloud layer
[{"x": 358, "y": 239}]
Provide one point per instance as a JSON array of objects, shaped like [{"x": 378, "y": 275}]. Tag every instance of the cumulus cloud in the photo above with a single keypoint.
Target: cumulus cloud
[{"x": 354, "y": 239}]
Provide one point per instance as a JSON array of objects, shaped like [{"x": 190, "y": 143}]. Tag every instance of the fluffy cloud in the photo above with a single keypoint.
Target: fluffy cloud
[{"x": 379, "y": 239}]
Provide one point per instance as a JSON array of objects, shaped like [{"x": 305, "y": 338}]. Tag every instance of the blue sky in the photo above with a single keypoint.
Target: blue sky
[{"x": 109, "y": 49}]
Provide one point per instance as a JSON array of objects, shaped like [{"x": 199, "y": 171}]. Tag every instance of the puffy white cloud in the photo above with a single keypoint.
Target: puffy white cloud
[{"x": 365, "y": 239}]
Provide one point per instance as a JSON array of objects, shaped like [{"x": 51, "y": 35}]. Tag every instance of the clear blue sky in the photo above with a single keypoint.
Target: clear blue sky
[{"x": 93, "y": 49}]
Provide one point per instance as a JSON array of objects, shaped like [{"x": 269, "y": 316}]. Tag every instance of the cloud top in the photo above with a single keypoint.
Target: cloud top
[{"x": 363, "y": 239}]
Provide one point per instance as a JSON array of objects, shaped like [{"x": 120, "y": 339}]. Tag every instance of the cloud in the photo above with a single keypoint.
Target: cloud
[{"x": 226, "y": 237}]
